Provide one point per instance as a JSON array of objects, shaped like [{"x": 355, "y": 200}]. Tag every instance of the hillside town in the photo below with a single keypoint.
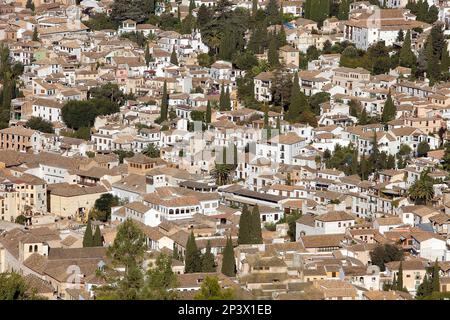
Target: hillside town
[{"x": 224, "y": 149}]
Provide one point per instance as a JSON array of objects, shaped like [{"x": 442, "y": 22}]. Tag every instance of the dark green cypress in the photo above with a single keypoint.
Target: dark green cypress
[
  {"x": 255, "y": 226},
  {"x": 208, "y": 264},
  {"x": 97, "y": 240},
  {"x": 87, "y": 238},
  {"x": 192, "y": 261},
  {"x": 208, "y": 113},
  {"x": 173, "y": 57},
  {"x": 228, "y": 260},
  {"x": 227, "y": 99},
  {"x": 435, "y": 283},
  {"x": 399, "y": 283},
  {"x": 244, "y": 226},
  {"x": 222, "y": 101},
  {"x": 389, "y": 110},
  {"x": 164, "y": 103},
  {"x": 272, "y": 54}
]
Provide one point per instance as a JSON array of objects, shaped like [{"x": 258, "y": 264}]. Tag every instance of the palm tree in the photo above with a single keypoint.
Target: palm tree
[
  {"x": 222, "y": 173},
  {"x": 422, "y": 190}
]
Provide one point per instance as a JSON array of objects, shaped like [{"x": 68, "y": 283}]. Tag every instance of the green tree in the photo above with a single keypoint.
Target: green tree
[
  {"x": 363, "y": 119},
  {"x": 208, "y": 263},
  {"x": 401, "y": 35},
  {"x": 228, "y": 261},
  {"x": 203, "y": 16},
  {"x": 173, "y": 57},
  {"x": 383, "y": 254},
  {"x": 399, "y": 283},
  {"x": 30, "y": 5},
  {"x": 97, "y": 239},
  {"x": 148, "y": 56},
  {"x": 193, "y": 261},
  {"x": 81, "y": 114},
  {"x": 40, "y": 124},
  {"x": 446, "y": 158},
  {"x": 104, "y": 204},
  {"x": 14, "y": 287},
  {"x": 255, "y": 226},
  {"x": 35, "y": 34},
  {"x": 129, "y": 9},
  {"x": 160, "y": 281},
  {"x": 435, "y": 283},
  {"x": 164, "y": 104},
  {"x": 407, "y": 57},
  {"x": 422, "y": 149},
  {"x": 244, "y": 226},
  {"x": 108, "y": 91},
  {"x": 127, "y": 251},
  {"x": 88, "y": 240},
  {"x": 422, "y": 190},
  {"x": 211, "y": 290},
  {"x": 344, "y": 8},
  {"x": 152, "y": 151},
  {"x": 273, "y": 12},
  {"x": 21, "y": 219},
  {"x": 272, "y": 55},
  {"x": 208, "y": 113},
  {"x": 389, "y": 110},
  {"x": 297, "y": 103}
]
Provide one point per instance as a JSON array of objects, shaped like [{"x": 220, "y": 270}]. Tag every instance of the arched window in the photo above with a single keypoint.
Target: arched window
[
  {"x": 30, "y": 249},
  {"x": 35, "y": 248},
  {"x": 171, "y": 211}
]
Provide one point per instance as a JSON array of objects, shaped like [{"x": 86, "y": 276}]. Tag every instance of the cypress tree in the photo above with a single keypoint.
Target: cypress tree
[
  {"x": 400, "y": 35},
  {"x": 164, "y": 103},
  {"x": 148, "y": 55},
  {"x": 435, "y": 283},
  {"x": 226, "y": 100},
  {"x": 175, "y": 254},
  {"x": 192, "y": 262},
  {"x": 293, "y": 111},
  {"x": 394, "y": 282},
  {"x": 208, "y": 264},
  {"x": 400, "y": 277},
  {"x": 191, "y": 6},
  {"x": 266, "y": 124},
  {"x": 203, "y": 16},
  {"x": 445, "y": 59},
  {"x": 432, "y": 61},
  {"x": 30, "y": 5},
  {"x": 272, "y": 55},
  {"x": 228, "y": 260},
  {"x": 244, "y": 226},
  {"x": 255, "y": 226},
  {"x": 222, "y": 102},
  {"x": 208, "y": 113},
  {"x": 173, "y": 57},
  {"x": 35, "y": 34},
  {"x": 344, "y": 7},
  {"x": 298, "y": 104},
  {"x": 97, "y": 240},
  {"x": 423, "y": 289},
  {"x": 281, "y": 37},
  {"x": 407, "y": 57},
  {"x": 88, "y": 240},
  {"x": 272, "y": 12},
  {"x": 362, "y": 119},
  {"x": 389, "y": 110}
]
